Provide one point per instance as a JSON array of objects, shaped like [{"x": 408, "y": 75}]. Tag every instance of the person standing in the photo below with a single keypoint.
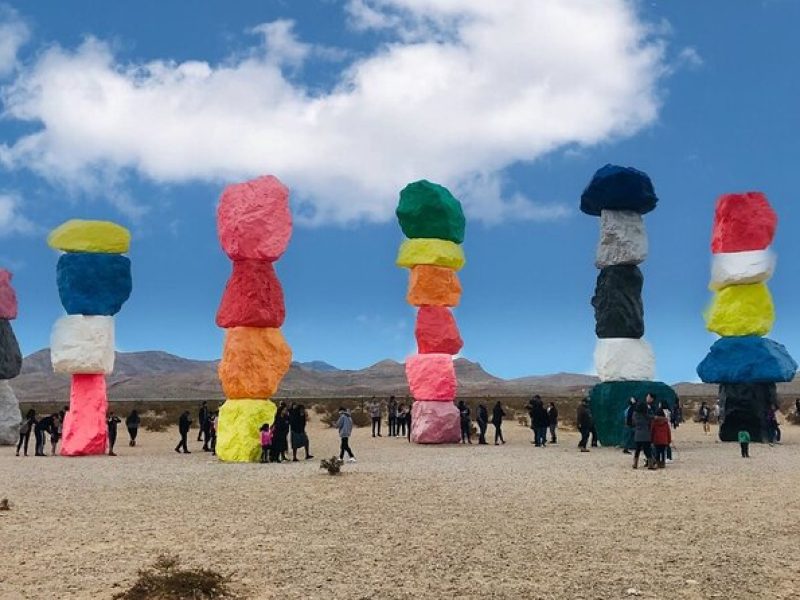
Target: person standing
[
  {"x": 266, "y": 443},
  {"x": 280, "y": 433},
  {"x": 483, "y": 422},
  {"x": 298, "y": 418},
  {"x": 628, "y": 443},
  {"x": 132, "y": 422},
  {"x": 112, "y": 421},
  {"x": 392, "y": 416},
  {"x": 677, "y": 414},
  {"x": 585, "y": 423},
  {"x": 213, "y": 429},
  {"x": 375, "y": 415},
  {"x": 661, "y": 437},
  {"x": 55, "y": 433},
  {"x": 539, "y": 423},
  {"x": 42, "y": 427},
  {"x": 25, "y": 429},
  {"x": 184, "y": 424},
  {"x": 345, "y": 427},
  {"x": 552, "y": 422},
  {"x": 202, "y": 417},
  {"x": 465, "y": 421},
  {"x": 704, "y": 415},
  {"x": 401, "y": 420},
  {"x": 744, "y": 443},
  {"x": 408, "y": 421},
  {"x": 772, "y": 424},
  {"x": 641, "y": 435},
  {"x": 497, "y": 421}
]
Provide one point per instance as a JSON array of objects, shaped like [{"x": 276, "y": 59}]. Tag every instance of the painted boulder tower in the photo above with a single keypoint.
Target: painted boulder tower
[
  {"x": 254, "y": 225},
  {"x": 94, "y": 281},
  {"x": 744, "y": 363},
  {"x": 433, "y": 221},
  {"x": 10, "y": 363},
  {"x": 623, "y": 359}
]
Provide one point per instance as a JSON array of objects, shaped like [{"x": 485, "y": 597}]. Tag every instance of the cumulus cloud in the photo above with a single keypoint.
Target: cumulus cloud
[
  {"x": 457, "y": 92},
  {"x": 14, "y": 33},
  {"x": 11, "y": 218}
]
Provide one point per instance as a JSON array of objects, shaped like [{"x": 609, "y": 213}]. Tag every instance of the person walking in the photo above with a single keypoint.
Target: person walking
[
  {"x": 497, "y": 421},
  {"x": 744, "y": 443},
  {"x": 482, "y": 419},
  {"x": 661, "y": 437},
  {"x": 392, "y": 416},
  {"x": 184, "y": 424},
  {"x": 641, "y": 435},
  {"x": 132, "y": 422},
  {"x": 540, "y": 422},
  {"x": 202, "y": 418},
  {"x": 585, "y": 423},
  {"x": 375, "y": 415},
  {"x": 628, "y": 443},
  {"x": 704, "y": 414},
  {"x": 25, "y": 429},
  {"x": 552, "y": 422},
  {"x": 465, "y": 421},
  {"x": 298, "y": 418},
  {"x": 111, "y": 422},
  {"x": 345, "y": 427}
]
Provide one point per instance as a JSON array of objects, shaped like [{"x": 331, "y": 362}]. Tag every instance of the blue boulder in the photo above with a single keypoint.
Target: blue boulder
[
  {"x": 93, "y": 283},
  {"x": 619, "y": 188},
  {"x": 747, "y": 359}
]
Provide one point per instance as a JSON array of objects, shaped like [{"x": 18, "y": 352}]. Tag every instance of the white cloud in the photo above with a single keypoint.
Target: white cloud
[
  {"x": 11, "y": 220},
  {"x": 13, "y": 35},
  {"x": 461, "y": 90}
]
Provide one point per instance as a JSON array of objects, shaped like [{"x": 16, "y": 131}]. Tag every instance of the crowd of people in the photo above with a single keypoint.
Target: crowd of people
[{"x": 398, "y": 418}]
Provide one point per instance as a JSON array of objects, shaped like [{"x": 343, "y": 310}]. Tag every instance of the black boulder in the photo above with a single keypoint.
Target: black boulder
[{"x": 617, "y": 302}]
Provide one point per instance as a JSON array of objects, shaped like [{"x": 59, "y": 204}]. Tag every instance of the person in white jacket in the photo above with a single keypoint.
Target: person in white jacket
[{"x": 345, "y": 426}]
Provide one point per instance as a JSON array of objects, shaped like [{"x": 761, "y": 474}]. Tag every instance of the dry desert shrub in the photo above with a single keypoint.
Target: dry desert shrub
[
  {"x": 154, "y": 421},
  {"x": 332, "y": 464},
  {"x": 166, "y": 580}
]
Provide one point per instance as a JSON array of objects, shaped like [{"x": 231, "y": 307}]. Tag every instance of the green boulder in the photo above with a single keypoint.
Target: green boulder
[
  {"x": 609, "y": 401},
  {"x": 429, "y": 210}
]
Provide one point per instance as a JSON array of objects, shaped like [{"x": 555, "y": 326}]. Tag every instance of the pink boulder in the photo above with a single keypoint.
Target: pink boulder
[
  {"x": 85, "y": 429},
  {"x": 253, "y": 297},
  {"x": 431, "y": 377},
  {"x": 8, "y": 298},
  {"x": 253, "y": 219},
  {"x": 743, "y": 222},
  {"x": 437, "y": 331},
  {"x": 435, "y": 423}
]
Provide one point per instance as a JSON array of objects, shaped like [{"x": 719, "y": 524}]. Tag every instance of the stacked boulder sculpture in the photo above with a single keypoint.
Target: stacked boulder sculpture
[
  {"x": 433, "y": 221},
  {"x": 254, "y": 224},
  {"x": 624, "y": 361},
  {"x": 745, "y": 364},
  {"x": 94, "y": 281},
  {"x": 10, "y": 362}
]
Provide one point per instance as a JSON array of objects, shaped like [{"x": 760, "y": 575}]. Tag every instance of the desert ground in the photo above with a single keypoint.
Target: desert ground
[{"x": 407, "y": 521}]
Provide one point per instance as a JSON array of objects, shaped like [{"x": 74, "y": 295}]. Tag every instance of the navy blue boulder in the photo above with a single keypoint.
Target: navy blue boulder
[
  {"x": 747, "y": 359},
  {"x": 93, "y": 284},
  {"x": 619, "y": 188}
]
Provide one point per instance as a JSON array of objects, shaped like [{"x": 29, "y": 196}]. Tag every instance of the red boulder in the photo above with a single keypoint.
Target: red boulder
[
  {"x": 437, "y": 331},
  {"x": 253, "y": 297},
  {"x": 743, "y": 222},
  {"x": 85, "y": 431}
]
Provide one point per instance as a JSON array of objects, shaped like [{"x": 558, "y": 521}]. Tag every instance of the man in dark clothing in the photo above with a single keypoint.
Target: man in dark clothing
[
  {"x": 112, "y": 421},
  {"x": 42, "y": 427},
  {"x": 552, "y": 422},
  {"x": 297, "y": 427},
  {"x": 392, "y": 415},
  {"x": 539, "y": 420},
  {"x": 132, "y": 422},
  {"x": 184, "y": 424},
  {"x": 585, "y": 423},
  {"x": 483, "y": 423},
  {"x": 202, "y": 419}
]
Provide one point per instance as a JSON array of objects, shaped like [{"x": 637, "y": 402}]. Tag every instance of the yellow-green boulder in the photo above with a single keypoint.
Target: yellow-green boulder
[
  {"x": 239, "y": 429},
  {"x": 741, "y": 310},
  {"x": 77, "y": 235},
  {"x": 430, "y": 251}
]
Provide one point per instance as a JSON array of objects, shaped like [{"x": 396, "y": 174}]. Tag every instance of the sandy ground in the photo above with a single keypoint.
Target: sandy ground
[{"x": 408, "y": 521}]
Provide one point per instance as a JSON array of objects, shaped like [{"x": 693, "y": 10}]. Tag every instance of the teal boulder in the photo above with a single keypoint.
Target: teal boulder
[
  {"x": 429, "y": 210},
  {"x": 610, "y": 400}
]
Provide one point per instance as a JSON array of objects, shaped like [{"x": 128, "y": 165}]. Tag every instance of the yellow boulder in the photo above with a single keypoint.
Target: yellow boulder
[
  {"x": 254, "y": 361},
  {"x": 741, "y": 310},
  {"x": 430, "y": 251},
  {"x": 239, "y": 429},
  {"x": 77, "y": 235}
]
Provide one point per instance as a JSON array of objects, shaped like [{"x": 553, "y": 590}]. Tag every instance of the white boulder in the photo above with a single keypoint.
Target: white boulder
[
  {"x": 80, "y": 344},
  {"x": 624, "y": 359},
  {"x": 739, "y": 268},
  {"x": 623, "y": 239},
  {"x": 10, "y": 417}
]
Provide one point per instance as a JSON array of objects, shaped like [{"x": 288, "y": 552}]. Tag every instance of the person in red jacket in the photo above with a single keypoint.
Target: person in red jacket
[{"x": 661, "y": 437}]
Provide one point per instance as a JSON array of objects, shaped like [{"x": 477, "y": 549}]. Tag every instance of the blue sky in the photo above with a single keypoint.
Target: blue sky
[{"x": 141, "y": 112}]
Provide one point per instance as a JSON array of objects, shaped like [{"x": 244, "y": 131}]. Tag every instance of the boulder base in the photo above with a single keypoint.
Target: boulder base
[
  {"x": 81, "y": 344},
  {"x": 609, "y": 401},
  {"x": 433, "y": 286},
  {"x": 238, "y": 429},
  {"x": 93, "y": 283},
  {"x": 254, "y": 220},
  {"x": 743, "y": 222},
  {"x": 85, "y": 429},
  {"x": 10, "y": 355},
  {"x": 741, "y": 310},
  {"x": 428, "y": 251},
  {"x": 623, "y": 239},
  {"x": 77, "y": 235},
  {"x": 617, "y": 302},
  {"x": 435, "y": 423},
  {"x": 431, "y": 377},
  {"x": 623, "y": 359},
  {"x": 8, "y": 298},
  {"x": 254, "y": 361},
  {"x": 10, "y": 417},
  {"x": 743, "y": 406},
  {"x": 429, "y": 210},
  {"x": 618, "y": 188},
  {"x": 253, "y": 297},
  {"x": 739, "y": 268},
  {"x": 437, "y": 332},
  {"x": 748, "y": 359}
]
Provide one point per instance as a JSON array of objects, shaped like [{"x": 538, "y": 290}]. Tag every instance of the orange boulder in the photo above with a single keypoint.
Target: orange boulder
[
  {"x": 433, "y": 286},
  {"x": 254, "y": 361}
]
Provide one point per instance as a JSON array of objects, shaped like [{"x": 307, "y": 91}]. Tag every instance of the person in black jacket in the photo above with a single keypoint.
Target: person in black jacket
[
  {"x": 43, "y": 426},
  {"x": 540, "y": 422},
  {"x": 184, "y": 424},
  {"x": 280, "y": 431},
  {"x": 297, "y": 425},
  {"x": 28, "y": 425},
  {"x": 202, "y": 420},
  {"x": 466, "y": 424},
  {"x": 552, "y": 422},
  {"x": 483, "y": 422},
  {"x": 112, "y": 421},
  {"x": 497, "y": 421},
  {"x": 585, "y": 423},
  {"x": 132, "y": 422}
]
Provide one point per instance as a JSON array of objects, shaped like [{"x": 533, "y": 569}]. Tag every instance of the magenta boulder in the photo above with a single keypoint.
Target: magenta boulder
[
  {"x": 431, "y": 377},
  {"x": 434, "y": 423}
]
